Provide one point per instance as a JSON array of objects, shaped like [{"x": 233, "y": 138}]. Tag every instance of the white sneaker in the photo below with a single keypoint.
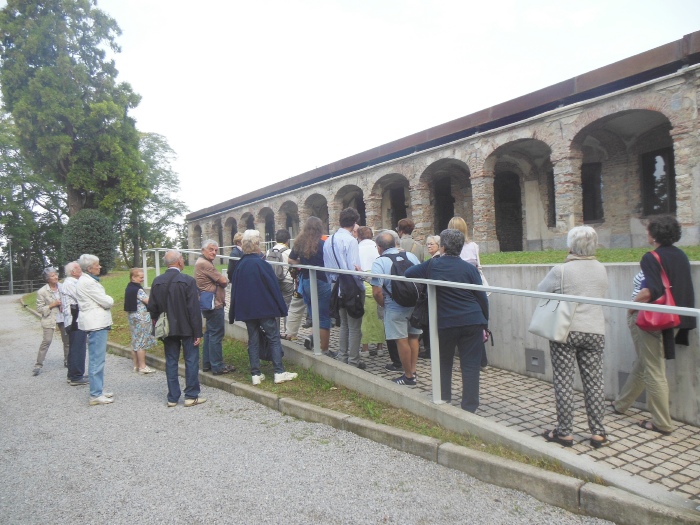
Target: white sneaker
[
  {"x": 258, "y": 379},
  {"x": 146, "y": 370},
  {"x": 136, "y": 369},
  {"x": 285, "y": 376},
  {"x": 102, "y": 400},
  {"x": 364, "y": 355},
  {"x": 108, "y": 395}
]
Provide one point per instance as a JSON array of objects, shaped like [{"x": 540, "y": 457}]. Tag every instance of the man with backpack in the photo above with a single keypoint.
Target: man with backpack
[
  {"x": 280, "y": 253},
  {"x": 398, "y": 299}
]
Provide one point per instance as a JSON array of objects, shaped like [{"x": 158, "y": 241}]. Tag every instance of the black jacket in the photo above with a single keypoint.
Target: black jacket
[{"x": 181, "y": 304}]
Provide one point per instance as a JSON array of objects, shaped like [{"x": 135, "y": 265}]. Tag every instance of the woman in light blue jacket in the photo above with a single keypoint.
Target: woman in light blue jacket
[{"x": 96, "y": 320}]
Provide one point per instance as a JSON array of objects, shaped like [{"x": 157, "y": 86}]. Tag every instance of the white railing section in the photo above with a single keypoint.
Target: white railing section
[{"x": 432, "y": 304}]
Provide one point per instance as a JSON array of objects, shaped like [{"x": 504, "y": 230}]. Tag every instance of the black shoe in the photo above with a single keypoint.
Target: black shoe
[
  {"x": 309, "y": 342},
  {"x": 332, "y": 354},
  {"x": 206, "y": 369},
  {"x": 361, "y": 365},
  {"x": 307, "y": 324},
  {"x": 424, "y": 355},
  {"x": 225, "y": 370},
  {"x": 391, "y": 367}
]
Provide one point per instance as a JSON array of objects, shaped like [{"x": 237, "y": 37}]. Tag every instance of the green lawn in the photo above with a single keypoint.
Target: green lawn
[{"x": 604, "y": 255}]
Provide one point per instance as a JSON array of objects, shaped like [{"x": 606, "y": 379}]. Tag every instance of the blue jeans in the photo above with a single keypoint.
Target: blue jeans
[
  {"x": 469, "y": 342},
  {"x": 172, "y": 356},
  {"x": 324, "y": 301},
  {"x": 76, "y": 354},
  {"x": 212, "y": 351},
  {"x": 272, "y": 334},
  {"x": 97, "y": 350}
]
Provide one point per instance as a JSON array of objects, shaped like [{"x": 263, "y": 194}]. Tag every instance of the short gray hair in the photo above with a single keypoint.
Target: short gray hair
[
  {"x": 47, "y": 272},
  {"x": 433, "y": 238},
  {"x": 385, "y": 240},
  {"x": 250, "y": 242},
  {"x": 582, "y": 240},
  {"x": 68, "y": 269},
  {"x": 452, "y": 241},
  {"x": 171, "y": 257},
  {"x": 208, "y": 243},
  {"x": 87, "y": 261}
]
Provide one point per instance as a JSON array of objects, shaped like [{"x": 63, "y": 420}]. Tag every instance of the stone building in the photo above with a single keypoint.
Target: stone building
[{"x": 607, "y": 148}]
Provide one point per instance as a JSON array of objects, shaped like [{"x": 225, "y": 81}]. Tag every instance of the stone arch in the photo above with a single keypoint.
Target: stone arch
[
  {"x": 627, "y": 171},
  {"x": 316, "y": 205},
  {"x": 217, "y": 231},
  {"x": 394, "y": 191},
  {"x": 351, "y": 196},
  {"x": 247, "y": 222},
  {"x": 289, "y": 217},
  {"x": 230, "y": 229},
  {"x": 197, "y": 237},
  {"x": 522, "y": 172},
  {"x": 449, "y": 185},
  {"x": 266, "y": 224}
]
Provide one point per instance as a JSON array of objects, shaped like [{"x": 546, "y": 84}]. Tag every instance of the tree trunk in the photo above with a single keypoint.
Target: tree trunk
[
  {"x": 76, "y": 200},
  {"x": 135, "y": 239}
]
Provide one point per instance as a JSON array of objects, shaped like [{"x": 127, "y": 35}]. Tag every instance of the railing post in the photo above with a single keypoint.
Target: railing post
[
  {"x": 144, "y": 255},
  {"x": 434, "y": 344},
  {"x": 315, "y": 318},
  {"x": 156, "y": 254}
]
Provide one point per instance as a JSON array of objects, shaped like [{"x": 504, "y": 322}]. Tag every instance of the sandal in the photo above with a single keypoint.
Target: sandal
[
  {"x": 287, "y": 337},
  {"x": 653, "y": 427},
  {"x": 597, "y": 443},
  {"x": 553, "y": 436}
]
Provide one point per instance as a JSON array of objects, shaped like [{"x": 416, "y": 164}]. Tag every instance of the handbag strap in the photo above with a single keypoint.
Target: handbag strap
[
  {"x": 167, "y": 288},
  {"x": 664, "y": 277}
]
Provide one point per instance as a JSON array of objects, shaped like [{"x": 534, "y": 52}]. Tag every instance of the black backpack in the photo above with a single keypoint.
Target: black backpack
[{"x": 403, "y": 293}]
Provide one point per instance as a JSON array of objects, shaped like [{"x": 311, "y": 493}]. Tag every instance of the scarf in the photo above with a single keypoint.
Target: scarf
[{"x": 130, "y": 297}]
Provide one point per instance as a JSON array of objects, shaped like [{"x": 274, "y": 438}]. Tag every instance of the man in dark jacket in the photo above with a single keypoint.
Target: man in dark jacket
[{"x": 176, "y": 294}]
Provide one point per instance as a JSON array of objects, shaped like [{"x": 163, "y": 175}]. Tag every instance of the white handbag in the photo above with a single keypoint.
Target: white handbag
[{"x": 552, "y": 318}]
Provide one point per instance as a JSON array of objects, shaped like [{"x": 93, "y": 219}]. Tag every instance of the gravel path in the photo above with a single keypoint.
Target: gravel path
[{"x": 227, "y": 461}]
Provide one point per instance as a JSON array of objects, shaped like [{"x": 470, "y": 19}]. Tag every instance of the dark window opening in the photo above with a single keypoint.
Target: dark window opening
[
  {"x": 658, "y": 182},
  {"x": 551, "y": 208},
  {"x": 444, "y": 203},
  {"x": 397, "y": 197},
  {"x": 250, "y": 223},
  {"x": 509, "y": 212},
  {"x": 592, "y": 190},
  {"x": 269, "y": 228}
]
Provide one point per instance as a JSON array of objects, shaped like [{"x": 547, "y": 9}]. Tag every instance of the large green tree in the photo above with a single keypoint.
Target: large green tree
[
  {"x": 155, "y": 221},
  {"x": 71, "y": 114},
  {"x": 32, "y": 210}
]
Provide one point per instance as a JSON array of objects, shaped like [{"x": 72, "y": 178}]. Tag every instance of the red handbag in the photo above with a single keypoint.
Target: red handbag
[{"x": 656, "y": 321}]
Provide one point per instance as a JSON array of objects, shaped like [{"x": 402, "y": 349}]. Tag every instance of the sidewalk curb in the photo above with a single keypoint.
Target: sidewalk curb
[{"x": 572, "y": 494}]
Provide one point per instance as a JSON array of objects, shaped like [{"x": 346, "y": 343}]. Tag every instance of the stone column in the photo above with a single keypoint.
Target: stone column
[
  {"x": 303, "y": 216},
  {"x": 373, "y": 211},
  {"x": 686, "y": 157},
  {"x": 334, "y": 209},
  {"x": 484, "y": 211},
  {"x": 420, "y": 210},
  {"x": 568, "y": 196},
  {"x": 280, "y": 221},
  {"x": 191, "y": 243}
]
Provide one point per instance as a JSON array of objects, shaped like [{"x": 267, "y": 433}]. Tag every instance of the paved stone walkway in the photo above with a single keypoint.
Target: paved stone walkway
[{"x": 527, "y": 404}]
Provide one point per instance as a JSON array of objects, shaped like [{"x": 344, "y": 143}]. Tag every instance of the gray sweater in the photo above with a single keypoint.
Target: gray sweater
[{"x": 583, "y": 277}]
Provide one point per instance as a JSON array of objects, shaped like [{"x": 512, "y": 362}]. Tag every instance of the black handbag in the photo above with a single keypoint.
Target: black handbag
[
  {"x": 420, "y": 317},
  {"x": 346, "y": 293},
  {"x": 265, "y": 353}
]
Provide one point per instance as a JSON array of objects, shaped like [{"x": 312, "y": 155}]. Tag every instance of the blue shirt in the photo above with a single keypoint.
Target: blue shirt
[
  {"x": 382, "y": 265},
  {"x": 347, "y": 252}
]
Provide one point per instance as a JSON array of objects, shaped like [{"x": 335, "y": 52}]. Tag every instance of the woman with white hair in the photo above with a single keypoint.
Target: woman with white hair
[
  {"x": 48, "y": 304},
  {"x": 96, "y": 320},
  {"x": 582, "y": 275},
  {"x": 257, "y": 300}
]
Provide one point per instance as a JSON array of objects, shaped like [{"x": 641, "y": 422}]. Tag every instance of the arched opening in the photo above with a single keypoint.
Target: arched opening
[
  {"x": 509, "y": 211},
  {"x": 395, "y": 203},
  {"x": 197, "y": 240},
  {"x": 290, "y": 212},
  {"x": 351, "y": 196},
  {"x": 247, "y": 222},
  {"x": 450, "y": 192},
  {"x": 266, "y": 217},
  {"x": 317, "y": 205},
  {"x": 217, "y": 232},
  {"x": 231, "y": 228}
]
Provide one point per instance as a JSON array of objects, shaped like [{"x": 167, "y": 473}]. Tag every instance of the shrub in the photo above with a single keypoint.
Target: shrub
[{"x": 89, "y": 231}]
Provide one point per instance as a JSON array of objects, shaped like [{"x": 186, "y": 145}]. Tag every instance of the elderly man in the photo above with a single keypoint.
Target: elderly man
[
  {"x": 396, "y": 325},
  {"x": 342, "y": 251},
  {"x": 176, "y": 294},
  {"x": 76, "y": 337},
  {"x": 212, "y": 288}
]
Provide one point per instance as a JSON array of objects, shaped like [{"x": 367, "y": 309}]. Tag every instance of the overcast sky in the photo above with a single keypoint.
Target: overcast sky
[{"x": 250, "y": 93}]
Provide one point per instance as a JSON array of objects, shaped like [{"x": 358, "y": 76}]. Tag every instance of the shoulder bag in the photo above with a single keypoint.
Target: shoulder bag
[
  {"x": 656, "y": 321},
  {"x": 552, "y": 318},
  {"x": 161, "y": 328},
  {"x": 346, "y": 292}
]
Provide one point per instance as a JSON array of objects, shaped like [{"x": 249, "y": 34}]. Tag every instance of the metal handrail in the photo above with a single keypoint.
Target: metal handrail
[{"x": 432, "y": 304}]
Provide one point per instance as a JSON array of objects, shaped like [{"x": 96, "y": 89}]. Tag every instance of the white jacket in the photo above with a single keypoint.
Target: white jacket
[{"x": 94, "y": 305}]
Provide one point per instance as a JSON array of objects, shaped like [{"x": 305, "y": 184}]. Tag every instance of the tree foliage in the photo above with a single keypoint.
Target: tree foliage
[
  {"x": 32, "y": 210},
  {"x": 90, "y": 231},
  {"x": 70, "y": 112},
  {"x": 152, "y": 223}
]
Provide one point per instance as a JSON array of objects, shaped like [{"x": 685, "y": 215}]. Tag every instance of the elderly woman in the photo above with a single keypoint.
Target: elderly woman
[
  {"x": 48, "y": 304},
  {"x": 462, "y": 317},
  {"x": 308, "y": 249},
  {"x": 96, "y": 320},
  {"x": 582, "y": 275},
  {"x": 257, "y": 300},
  {"x": 140, "y": 325},
  {"x": 653, "y": 348},
  {"x": 432, "y": 243}
]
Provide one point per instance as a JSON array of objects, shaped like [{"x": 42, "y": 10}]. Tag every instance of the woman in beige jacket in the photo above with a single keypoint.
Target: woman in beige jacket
[{"x": 48, "y": 304}]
